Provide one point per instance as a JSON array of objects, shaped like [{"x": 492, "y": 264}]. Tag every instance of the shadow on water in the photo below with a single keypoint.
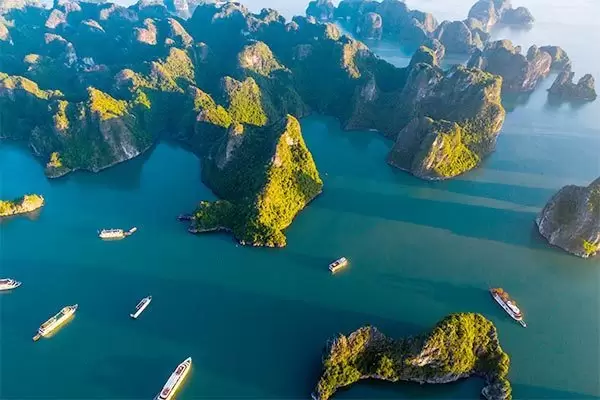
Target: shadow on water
[
  {"x": 538, "y": 392},
  {"x": 526, "y": 196},
  {"x": 500, "y": 225}
]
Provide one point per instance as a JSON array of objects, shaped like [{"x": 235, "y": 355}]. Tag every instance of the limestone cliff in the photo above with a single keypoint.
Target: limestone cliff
[
  {"x": 565, "y": 89},
  {"x": 571, "y": 220},
  {"x": 267, "y": 175},
  {"x": 520, "y": 73},
  {"x": 459, "y": 346}
]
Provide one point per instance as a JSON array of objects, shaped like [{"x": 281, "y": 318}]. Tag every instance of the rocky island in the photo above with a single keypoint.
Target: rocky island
[
  {"x": 22, "y": 205},
  {"x": 564, "y": 88},
  {"x": 370, "y": 19},
  {"x": 88, "y": 85},
  {"x": 519, "y": 73},
  {"x": 458, "y": 347},
  {"x": 571, "y": 220}
]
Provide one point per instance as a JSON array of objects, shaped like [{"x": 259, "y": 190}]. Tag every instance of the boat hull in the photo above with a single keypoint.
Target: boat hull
[
  {"x": 510, "y": 312},
  {"x": 175, "y": 381},
  {"x": 46, "y": 331},
  {"x": 139, "y": 311}
]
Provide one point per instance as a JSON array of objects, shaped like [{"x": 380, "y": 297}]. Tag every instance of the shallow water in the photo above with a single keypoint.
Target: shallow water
[{"x": 255, "y": 320}]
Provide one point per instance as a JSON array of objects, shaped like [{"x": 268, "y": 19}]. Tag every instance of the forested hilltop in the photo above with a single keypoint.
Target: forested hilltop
[{"x": 88, "y": 85}]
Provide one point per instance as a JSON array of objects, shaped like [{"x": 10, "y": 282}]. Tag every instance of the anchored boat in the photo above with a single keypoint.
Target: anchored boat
[
  {"x": 116, "y": 233},
  {"x": 9, "y": 284},
  {"x": 141, "y": 307},
  {"x": 338, "y": 265},
  {"x": 508, "y": 304},
  {"x": 55, "y": 322},
  {"x": 175, "y": 380}
]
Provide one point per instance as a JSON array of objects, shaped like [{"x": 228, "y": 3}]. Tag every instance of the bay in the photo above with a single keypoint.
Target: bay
[{"x": 255, "y": 321}]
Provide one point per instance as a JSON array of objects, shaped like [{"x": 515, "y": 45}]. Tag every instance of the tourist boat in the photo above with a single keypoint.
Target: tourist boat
[
  {"x": 175, "y": 380},
  {"x": 116, "y": 233},
  {"x": 9, "y": 284},
  {"x": 508, "y": 304},
  {"x": 55, "y": 322},
  {"x": 338, "y": 264},
  {"x": 141, "y": 307}
]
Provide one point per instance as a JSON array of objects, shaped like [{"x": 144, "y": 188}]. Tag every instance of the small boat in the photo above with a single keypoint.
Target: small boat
[
  {"x": 9, "y": 284},
  {"x": 116, "y": 233},
  {"x": 185, "y": 217},
  {"x": 141, "y": 307},
  {"x": 175, "y": 380},
  {"x": 55, "y": 322},
  {"x": 508, "y": 304},
  {"x": 338, "y": 264}
]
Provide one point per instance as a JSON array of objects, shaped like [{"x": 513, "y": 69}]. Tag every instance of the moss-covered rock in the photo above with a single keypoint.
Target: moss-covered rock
[
  {"x": 459, "y": 346},
  {"x": 571, "y": 220},
  {"x": 22, "y": 205}
]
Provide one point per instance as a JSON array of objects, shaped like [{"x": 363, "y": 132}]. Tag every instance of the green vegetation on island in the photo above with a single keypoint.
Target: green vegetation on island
[
  {"x": 230, "y": 85},
  {"x": 266, "y": 175},
  {"x": 22, "y": 205},
  {"x": 458, "y": 347}
]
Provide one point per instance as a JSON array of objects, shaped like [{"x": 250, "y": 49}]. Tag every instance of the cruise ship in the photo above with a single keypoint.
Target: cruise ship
[
  {"x": 55, "y": 322},
  {"x": 508, "y": 304},
  {"x": 116, "y": 233},
  {"x": 175, "y": 380},
  {"x": 9, "y": 284},
  {"x": 338, "y": 264},
  {"x": 141, "y": 307}
]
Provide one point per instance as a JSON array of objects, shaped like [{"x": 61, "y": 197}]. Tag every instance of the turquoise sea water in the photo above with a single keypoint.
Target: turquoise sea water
[{"x": 254, "y": 320}]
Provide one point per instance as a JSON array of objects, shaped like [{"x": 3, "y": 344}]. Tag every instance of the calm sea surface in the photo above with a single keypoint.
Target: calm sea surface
[{"x": 255, "y": 321}]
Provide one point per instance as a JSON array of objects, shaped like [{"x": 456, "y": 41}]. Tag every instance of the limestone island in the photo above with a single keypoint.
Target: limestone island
[
  {"x": 22, "y": 205},
  {"x": 571, "y": 220},
  {"x": 564, "y": 89},
  {"x": 520, "y": 73},
  {"x": 89, "y": 85},
  {"x": 458, "y": 347},
  {"x": 392, "y": 19}
]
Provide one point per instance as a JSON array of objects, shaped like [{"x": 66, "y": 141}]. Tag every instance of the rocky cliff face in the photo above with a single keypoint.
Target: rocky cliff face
[
  {"x": 321, "y": 10},
  {"x": 23, "y": 205},
  {"x": 492, "y": 12},
  {"x": 571, "y": 220},
  {"x": 460, "y": 346},
  {"x": 370, "y": 26},
  {"x": 519, "y": 73},
  {"x": 432, "y": 147},
  {"x": 565, "y": 89},
  {"x": 560, "y": 59}
]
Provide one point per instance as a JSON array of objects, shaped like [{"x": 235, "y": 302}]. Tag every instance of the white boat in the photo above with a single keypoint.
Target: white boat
[
  {"x": 508, "y": 304},
  {"x": 338, "y": 264},
  {"x": 9, "y": 284},
  {"x": 116, "y": 233},
  {"x": 175, "y": 380},
  {"x": 55, "y": 322},
  {"x": 141, "y": 307}
]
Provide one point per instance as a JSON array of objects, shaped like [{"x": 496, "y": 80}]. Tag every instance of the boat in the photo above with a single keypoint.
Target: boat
[
  {"x": 141, "y": 307},
  {"x": 9, "y": 284},
  {"x": 508, "y": 304},
  {"x": 55, "y": 322},
  {"x": 338, "y": 264},
  {"x": 175, "y": 380},
  {"x": 185, "y": 217},
  {"x": 116, "y": 233}
]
